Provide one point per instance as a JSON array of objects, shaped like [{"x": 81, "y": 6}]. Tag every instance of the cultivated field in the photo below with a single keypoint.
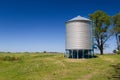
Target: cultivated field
[{"x": 48, "y": 66}]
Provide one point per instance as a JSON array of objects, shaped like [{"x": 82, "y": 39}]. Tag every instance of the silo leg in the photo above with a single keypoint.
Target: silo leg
[
  {"x": 82, "y": 53},
  {"x": 91, "y": 53},
  {"x": 88, "y": 53},
  {"x": 72, "y": 53},
  {"x": 65, "y": 53},
  {"x": 77, "y": 54}
]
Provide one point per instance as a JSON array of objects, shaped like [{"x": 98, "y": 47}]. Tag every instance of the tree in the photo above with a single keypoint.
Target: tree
[
  {"x": 116, "y": 24},
  {"x": 102, "y": 29}
]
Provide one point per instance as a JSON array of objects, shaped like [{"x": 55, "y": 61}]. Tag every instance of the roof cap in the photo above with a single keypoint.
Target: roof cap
[{"x": 79, "y": 18}]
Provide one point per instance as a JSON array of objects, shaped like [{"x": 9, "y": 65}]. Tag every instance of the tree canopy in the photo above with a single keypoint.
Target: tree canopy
[
  {"x": 116, "y": 25},
  {"x": 102, "y": 29},
  {"x": 116, "y": 22}
]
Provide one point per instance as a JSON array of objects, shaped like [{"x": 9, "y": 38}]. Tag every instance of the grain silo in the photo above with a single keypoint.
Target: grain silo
[{"x": 79, "y": 40}]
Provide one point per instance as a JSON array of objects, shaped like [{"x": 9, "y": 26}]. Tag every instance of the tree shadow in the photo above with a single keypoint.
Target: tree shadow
[{"x": 116, "y": 76}]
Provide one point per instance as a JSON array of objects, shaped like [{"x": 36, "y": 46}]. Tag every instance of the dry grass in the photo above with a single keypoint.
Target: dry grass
[{"x": 55, "y": 67}]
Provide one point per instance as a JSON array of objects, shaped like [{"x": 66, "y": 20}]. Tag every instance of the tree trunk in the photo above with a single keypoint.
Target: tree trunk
[
  {"x": 101, "y": 51},
  {"x": 117, "y": 42}
]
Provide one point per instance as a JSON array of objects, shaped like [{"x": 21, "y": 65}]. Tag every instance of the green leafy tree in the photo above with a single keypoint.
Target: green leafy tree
[
  {"x": 116, "y": 24},
  {"x": 102, "y": 29}
]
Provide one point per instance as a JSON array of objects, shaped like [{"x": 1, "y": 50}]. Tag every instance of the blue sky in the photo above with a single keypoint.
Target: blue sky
[{"x": 38, "y": 25}]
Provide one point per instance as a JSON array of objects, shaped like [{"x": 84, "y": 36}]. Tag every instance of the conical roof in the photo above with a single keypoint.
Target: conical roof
[{"x": 79, "y": 18}]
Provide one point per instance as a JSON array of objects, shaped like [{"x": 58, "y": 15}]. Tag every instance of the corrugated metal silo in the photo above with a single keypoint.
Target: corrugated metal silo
[{"x": 78, "y": 36}]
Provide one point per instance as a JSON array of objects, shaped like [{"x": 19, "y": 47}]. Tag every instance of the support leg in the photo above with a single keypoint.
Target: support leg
[
  {"x": 77, "y": 54},
  {"x": 93, "y": 52},
  {"x": 72, "y": 53},
  {"x": 83, "y": 54},
  {"x": 88, "y": 53},
  {"x": 65, "y": 53},
  {"x": 69, "y": 54}
]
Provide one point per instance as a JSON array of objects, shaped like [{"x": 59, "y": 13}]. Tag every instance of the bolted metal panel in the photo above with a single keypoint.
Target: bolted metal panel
[{"x": 78, "y": 34}]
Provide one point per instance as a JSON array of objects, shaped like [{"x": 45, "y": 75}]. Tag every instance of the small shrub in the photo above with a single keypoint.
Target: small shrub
[
  {"x": 116, "y": 75},
  {"x": 114, "y": 51},
  {"x": 44, "y": 51},
  {"x": 10, "y": 58},
  {"x": 118, "y": 52}
]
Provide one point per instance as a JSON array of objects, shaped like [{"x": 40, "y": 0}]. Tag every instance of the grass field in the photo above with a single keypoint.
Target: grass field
[{"x": 48, "y": 66}]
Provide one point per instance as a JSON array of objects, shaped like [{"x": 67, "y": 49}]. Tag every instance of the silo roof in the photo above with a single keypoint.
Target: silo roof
[{"x": 79, "y": 18}]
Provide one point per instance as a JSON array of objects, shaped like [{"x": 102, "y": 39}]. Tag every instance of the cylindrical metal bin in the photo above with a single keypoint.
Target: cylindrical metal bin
[{"x": 78, "y": 34}]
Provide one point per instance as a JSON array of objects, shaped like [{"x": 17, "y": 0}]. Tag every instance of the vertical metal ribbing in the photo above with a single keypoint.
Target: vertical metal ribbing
[{"x": 78, "y": 34}]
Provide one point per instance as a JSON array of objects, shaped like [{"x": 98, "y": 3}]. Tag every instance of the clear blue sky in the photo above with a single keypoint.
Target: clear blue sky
[{"x": 38, "y": 25}]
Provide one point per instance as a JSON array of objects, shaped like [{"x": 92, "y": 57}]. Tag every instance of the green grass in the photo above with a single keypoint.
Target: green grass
[{"x": 47, "y": 66}]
